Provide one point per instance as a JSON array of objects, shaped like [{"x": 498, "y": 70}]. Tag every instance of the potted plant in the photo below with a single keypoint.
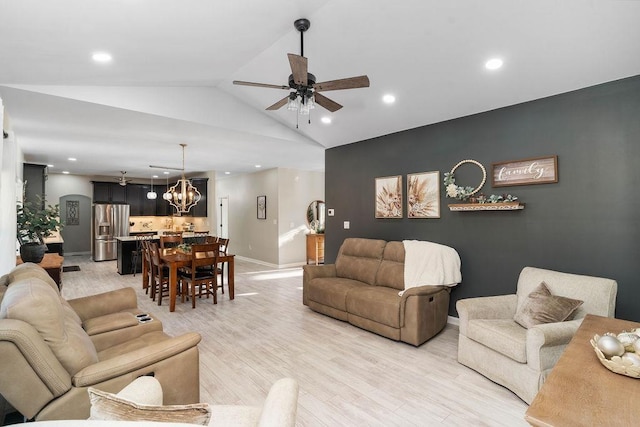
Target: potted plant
[{"x": 36, "y": 220}]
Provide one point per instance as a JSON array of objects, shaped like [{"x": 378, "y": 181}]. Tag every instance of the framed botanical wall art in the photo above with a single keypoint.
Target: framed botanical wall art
[
  {"x": 389, "y": 197},
  {"x": 423, "y": 195},
  {"x": 262, "y": 207}
]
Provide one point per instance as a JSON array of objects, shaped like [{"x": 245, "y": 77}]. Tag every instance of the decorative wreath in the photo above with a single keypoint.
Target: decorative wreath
[{"x": 465, "y": 193}]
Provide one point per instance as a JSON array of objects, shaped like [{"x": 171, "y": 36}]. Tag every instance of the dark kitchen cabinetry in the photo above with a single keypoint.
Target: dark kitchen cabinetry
[
  {"x": 163, "y": 208},
  {"x": 34, "y": 177},
  {"x": 199, "y": 210},
  {"x": 109, "y": 192},
  {"x": 137, "y": 199},
  {"x": 136, "y": 196}
]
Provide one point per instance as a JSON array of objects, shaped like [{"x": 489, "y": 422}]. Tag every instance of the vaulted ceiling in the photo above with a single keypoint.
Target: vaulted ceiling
[{"x": 170, "y": 80}]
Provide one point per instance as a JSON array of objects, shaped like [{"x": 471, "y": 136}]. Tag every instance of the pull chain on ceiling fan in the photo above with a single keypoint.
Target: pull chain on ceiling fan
[{"x": 304, "y": 91}]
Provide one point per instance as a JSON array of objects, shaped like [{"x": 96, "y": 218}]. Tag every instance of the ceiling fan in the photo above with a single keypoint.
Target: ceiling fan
[
  {"x": 303, "y": 89},
  {"x": 122, "y": 180}
]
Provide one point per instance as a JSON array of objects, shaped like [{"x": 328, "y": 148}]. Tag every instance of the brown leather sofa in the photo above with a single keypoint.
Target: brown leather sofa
[
  {"x": 52, "y": 350},
  {"x": 362, "y": 288}
]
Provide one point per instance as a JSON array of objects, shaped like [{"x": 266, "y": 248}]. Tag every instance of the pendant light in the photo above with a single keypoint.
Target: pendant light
[
  {"x": 167, "y": 194},
  {"x": 152, "y": 195},
  {"x": 184, "y": 196}
]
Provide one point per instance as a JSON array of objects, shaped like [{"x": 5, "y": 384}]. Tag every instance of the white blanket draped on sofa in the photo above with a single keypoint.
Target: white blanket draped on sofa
[{"x": 428, "y": 263}]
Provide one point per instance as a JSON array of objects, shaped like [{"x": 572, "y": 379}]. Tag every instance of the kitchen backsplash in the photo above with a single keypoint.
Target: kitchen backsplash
[{"x": 158, "y": 223}]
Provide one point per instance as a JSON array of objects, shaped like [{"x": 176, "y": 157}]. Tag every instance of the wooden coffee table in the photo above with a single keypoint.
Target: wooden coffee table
[
  {"x": 52, "y": 262},
  {"x": 580, "y": 391}
]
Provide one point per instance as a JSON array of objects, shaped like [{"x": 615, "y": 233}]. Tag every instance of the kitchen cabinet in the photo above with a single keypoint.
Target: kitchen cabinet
[
  {"x": 200, "y": 210},
  {"x": 162, "y": 207},
  {"x": 109, "y": 192},
  {"x": 34, "y": 177}
]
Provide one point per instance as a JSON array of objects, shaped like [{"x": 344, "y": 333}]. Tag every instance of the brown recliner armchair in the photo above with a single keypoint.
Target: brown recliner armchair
[{"x": 53, "y": 350}]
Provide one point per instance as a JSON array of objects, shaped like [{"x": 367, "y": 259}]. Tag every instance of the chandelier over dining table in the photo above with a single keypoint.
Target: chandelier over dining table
[{"x": 183, "y": 195}]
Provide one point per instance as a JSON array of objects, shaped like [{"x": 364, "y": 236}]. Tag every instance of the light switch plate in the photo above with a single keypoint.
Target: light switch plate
[{"x": 346, "y": 225}]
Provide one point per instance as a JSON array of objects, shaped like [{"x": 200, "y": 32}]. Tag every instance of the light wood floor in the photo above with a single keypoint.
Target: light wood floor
[{"x": 347, "y": 376}]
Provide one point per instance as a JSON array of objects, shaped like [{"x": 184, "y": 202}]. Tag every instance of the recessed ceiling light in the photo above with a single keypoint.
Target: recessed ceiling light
[
  {"x": 493, "y": 64},
  {"x": 72, "y": 159},
  {"x": 227, "y": 173},
  {"x": 101, "y": 57},
  {"x": 258, "y": 166},
  {"x": 154, "y": 176},
  {"x": 65, "y": 172},
  {"x": 49, "y": 166},
  {"x": 326, "y": 120},
  {"x": 166, "y": 172},
  {"x": 389, "y": 99}
]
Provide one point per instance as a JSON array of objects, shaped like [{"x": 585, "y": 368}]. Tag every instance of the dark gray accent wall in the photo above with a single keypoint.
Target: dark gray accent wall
[{"x": 587, "y": 223}]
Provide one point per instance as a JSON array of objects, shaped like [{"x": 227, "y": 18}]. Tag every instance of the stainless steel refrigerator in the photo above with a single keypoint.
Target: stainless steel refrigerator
[{"x": 109, "y": 221}]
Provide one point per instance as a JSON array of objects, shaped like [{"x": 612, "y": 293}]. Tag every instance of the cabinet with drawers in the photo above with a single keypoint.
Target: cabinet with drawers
[{"x": 315, "y": 248}]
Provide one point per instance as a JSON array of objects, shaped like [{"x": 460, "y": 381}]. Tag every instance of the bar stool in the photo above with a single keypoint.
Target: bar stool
[{"x": 137, "y": 253}]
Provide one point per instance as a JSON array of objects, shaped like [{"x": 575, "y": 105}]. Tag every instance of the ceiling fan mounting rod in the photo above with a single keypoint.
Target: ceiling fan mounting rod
[{"x": 302, "y": 25}]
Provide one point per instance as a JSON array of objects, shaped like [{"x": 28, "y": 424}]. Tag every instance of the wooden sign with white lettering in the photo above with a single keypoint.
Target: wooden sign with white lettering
[{"x": 537, "y": 170}]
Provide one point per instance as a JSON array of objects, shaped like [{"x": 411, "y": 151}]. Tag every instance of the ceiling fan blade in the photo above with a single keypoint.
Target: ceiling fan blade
[
  {"x": 327, "y": 103},
  {"x": 279, "y": 104},
  {"x": 165, "y": 167},
  {"x": 239, "y": 82},
  {"x": 348, "y": 83},
  {"x": 298, "y": 68}
]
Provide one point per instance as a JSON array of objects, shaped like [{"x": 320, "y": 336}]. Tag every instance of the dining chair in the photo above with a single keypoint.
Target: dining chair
[
  {"x": 211, "y": 239},
  {"x": 224, "y": 244},
  {"x": 202, "y": 273},
  {"x": 159, "y": 274},
  {"x": 170, "y": 240},
  {"x": 146, "y": 260}
]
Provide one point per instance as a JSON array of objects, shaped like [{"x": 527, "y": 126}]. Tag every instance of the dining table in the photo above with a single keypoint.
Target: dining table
[{"x": 175, "y": 258}]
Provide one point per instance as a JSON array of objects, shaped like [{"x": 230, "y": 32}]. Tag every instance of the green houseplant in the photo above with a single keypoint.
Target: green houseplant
[{"x": 36, "y": 220}]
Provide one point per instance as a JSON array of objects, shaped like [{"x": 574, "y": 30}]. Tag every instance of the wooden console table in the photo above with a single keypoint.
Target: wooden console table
[
  {"x": 52, "y": 262},
  {"x": 580, "y": 391}
]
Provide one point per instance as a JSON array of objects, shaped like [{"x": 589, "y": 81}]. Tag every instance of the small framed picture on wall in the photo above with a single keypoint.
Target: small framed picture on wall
[
  {"x": 262, "y": 207},
  {"x": 389, "y": 197},
  {"x": 423, "y": 195}
]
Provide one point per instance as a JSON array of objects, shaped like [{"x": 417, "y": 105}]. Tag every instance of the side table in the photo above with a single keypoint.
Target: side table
[
  {"x": 52, "y": 262},
  {"x": 580, "y": 391}
]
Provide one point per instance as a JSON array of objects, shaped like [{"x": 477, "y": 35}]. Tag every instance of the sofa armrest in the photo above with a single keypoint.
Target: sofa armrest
[
  {"x": 280, "y": 407},
  {"x": 546, "y": 342},
  {"x": 310, "y": 272},
  {"x": 423, "y": 290},
  {"x": 134, "y": 360},
  {"x": 104, "y": 303},
  {"x": 494, "y": 307}
]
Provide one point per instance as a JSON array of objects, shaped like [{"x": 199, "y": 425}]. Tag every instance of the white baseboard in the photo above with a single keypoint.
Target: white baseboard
[
  {"x": 268, "y": 264},
  {"x": 453, "y": 320}
]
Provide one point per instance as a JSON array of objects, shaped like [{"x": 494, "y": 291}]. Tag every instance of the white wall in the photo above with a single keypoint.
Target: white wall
[
  {"x": 59, "y": 185},
  {"x": 248, "y": 236},
  {"x": 296, "y": 189},
  {"x": 10, "y": 183},
  {"x": 280, "y": 239}
]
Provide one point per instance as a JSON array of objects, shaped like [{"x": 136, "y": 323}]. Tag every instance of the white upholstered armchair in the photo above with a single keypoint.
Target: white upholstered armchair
[{"x": 494, "y": 344}]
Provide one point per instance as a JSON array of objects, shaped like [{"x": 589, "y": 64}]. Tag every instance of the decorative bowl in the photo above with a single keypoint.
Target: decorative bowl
[{"x": 617, "y": 364}]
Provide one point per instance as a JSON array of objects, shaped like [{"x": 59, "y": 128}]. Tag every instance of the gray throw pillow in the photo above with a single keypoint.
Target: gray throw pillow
[{"x": 541, "y": 307}]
